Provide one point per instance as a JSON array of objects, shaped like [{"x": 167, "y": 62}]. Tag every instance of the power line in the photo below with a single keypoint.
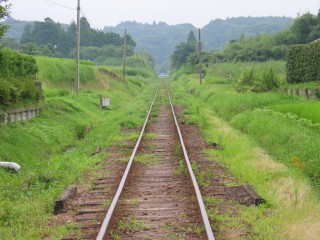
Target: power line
[
  {"x": 53, "y": 3},
  {"x": 90, "y": 22}
]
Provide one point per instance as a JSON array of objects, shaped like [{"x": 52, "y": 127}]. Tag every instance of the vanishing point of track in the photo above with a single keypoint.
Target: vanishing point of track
[{"x": 159, "y": 198}]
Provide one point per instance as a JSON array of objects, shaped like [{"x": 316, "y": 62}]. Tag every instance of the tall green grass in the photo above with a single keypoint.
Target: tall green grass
[
  {"x": 61, "y": 72},
  {"x": 56, "y": 148},
  {"x": 306, "y": 109},
  {"x": 285, "y": 139},
  {"x": 248, "y": 137},
  {"x": 291, "y": 140},
  {"x": 233, "y": 70}
]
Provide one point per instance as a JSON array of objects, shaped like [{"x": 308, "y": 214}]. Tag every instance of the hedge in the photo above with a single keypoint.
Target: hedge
[
  {"x": 303, "y": 63},
  {"x": 16, "y": 78}
]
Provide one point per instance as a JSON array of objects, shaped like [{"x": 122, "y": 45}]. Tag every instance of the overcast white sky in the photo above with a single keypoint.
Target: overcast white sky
[{"x": 198, "y": 12}]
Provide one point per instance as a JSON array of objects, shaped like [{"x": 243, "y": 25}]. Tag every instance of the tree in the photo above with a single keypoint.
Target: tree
[
  {"x": 192, "y": 38},
  {"x": 303, "y": 26},
  {"x": 181, "y": 53},
  {"x": 4, "y": 12},
  {"x": 27, "y": 36}
]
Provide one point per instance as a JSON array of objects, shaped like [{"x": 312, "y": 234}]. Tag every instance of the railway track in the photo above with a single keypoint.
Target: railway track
[{"x": 158, "y": 196}]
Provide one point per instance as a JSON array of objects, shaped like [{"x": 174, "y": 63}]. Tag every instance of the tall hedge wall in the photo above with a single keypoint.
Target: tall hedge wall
[
  {"x": 303, "y": 63},
  {"x": 16, "y": 78}
]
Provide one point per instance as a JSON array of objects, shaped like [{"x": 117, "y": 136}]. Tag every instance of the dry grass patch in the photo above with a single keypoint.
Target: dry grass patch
[{"x": 291, "y": 199}]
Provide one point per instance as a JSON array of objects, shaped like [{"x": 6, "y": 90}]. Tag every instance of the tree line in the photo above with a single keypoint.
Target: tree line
[
  {"x": 264, "y": 47},
  {"x": 17, "y": 72},
  {"x": 305, "y": 29},
  {"x": 53, "y": 39}
]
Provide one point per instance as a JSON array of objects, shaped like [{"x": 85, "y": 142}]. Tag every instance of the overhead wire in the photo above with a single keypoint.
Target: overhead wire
[
  {"x": 90, "y": 22},
  {"x": 52, "y": 3}
]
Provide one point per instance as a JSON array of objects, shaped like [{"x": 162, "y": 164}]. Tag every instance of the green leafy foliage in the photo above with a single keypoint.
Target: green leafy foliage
[
  {"x": 160, "y": 39},
  {"x": 4, "y": 12},
  {"x": 49, "y": 38},
  {"x": 16, "y": 78},
  {"x": 303, "y": 63},
  {"x": 14, "y": 64},
  {"x": 265, "y": 47},
  {"x": 258, "y": 82},
  {"x": 183, "y": 51}
]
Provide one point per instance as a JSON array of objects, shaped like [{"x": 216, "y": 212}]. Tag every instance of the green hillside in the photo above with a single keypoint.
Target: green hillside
[
  {"x": 218, "y": 32},
  {"x": 56, "y": 148},
  {"x": 160, "y": 39}
]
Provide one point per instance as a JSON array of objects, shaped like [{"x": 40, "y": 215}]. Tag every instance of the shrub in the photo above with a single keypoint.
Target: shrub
[
  {"x": 14, "y": 64},
  {"x": 267, "y": 81},
  {"x": 5, "y": 89},
  {"x": 247, "y": 77},
  {"x": 16, "y": 74},
  {"x": 250, "y": 80},
  {"x": 303, "y": 63}
]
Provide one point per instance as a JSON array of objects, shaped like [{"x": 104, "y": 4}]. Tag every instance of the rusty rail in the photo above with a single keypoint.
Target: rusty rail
[
  {"x": 105, "y": 225},
  {"x": 202, "y": 208}
]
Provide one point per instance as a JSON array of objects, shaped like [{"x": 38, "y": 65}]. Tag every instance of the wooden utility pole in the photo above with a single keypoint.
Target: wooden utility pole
[
  {"x": 124, "y": 53},
  {"x": 200, "y": 57},
  {"x": 78, "y": 49}
]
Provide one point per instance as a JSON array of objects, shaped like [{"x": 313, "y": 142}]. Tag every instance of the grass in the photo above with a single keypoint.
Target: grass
[
  {"x": 281, "y": 130},
  {"x": 132, "y": 224},
  {"x": 255, "y": 148},
  {"x": 233, "y": 70},
  {"x": 56, "y": 148},
  {"x": 304, "y": 109},
  {"x": 287, "y": 140},
  {"x": 61, "y": 72},
  {"x": 147, "y": 159},
  {"x": 182, "y": 169}
]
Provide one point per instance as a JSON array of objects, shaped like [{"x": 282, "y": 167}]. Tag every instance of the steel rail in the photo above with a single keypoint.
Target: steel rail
[
  {"x": 105, "y": 225},
  {"x": 203, "y": 211}
]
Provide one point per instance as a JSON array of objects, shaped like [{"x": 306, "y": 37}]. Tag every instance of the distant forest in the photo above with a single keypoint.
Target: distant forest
[
  {"x": 49, "y": 38},
  {"x": 160, "y": 39},
  {"x": 157, "y": 39},
  {"x": 262, "y": 47}
]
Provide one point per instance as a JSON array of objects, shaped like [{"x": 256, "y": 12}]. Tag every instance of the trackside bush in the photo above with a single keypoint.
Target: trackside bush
[
  {"x": 251, "y": 80},
  {"x": 14, "y": 64},
  {"x": 303, "y": 63},
  {"x": 16, "y": 74}
]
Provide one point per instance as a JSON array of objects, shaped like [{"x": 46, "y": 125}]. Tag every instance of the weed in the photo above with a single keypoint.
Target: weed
[
  {"x": 153, "y": 147},
  {"x": 177, "y": 149},
  {"x": 115, "y": 235},
  {"x": 147, "y": 159},
  {"x": 167, "y": 226},
  {"x": 151, "y": 135},
  {"x": 182, "y": 169},
  {"x": 132, "y": 223},
  {"x": 91, "y": 184},
  {"x": 212, "y": 200},
  {"x": 133, "y": 202},
  {"x": 179, "y": 236},
  {"x": 106, "y": 204},
  {"x": 193, "y": 228}
]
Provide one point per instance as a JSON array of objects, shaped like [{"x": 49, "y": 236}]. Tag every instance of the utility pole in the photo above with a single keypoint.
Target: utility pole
[
  {"x": 78, "y": 49},
  {"x": 124, "y": 53},
  {"x": 200, "y": 57}
]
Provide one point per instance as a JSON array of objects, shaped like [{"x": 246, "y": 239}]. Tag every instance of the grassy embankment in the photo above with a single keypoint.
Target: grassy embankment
[
  {"x": 56, "y": 148},
  {"x": 269, "y": 140}
]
